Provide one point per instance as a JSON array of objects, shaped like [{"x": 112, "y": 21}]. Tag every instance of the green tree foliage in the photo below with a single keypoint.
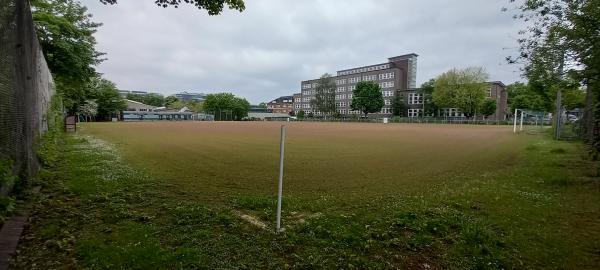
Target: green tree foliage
[
  {"x": 108, "y": 98},
  {"x": 192, "y": 105},
  {"x": 324, "y": 100},
  {"x": 300, "y": 114},
  {"x": 521, "y": 96},
  {"x": 214, "y": 7},
  {"x": 170, "y": 100},
  {"x": 367, "y": 98},
  {"x": 148, "y": 99},
  {"x": 399, "y": 107},
  {"x": 527, "y": 96},
  {"x": 262, "y": 105},
  {"x": 430, "y": 108},
  {"x": 488, "y": 107},
  {"x": 226, "y": 106},
  {"x": 560, "y": 43},
  {"x": 66, "y": 34},
  {"x": 464, "y": 89}
]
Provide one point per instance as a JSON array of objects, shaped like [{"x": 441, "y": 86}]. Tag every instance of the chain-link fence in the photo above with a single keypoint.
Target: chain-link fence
[{"x": 25, "y": 91}]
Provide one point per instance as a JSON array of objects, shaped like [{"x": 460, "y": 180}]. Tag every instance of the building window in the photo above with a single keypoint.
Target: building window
[
  {"x": 341, "y": 81},
  {"x": 387, "y": 102},
  {"x": 306, "y": 86},
  {"x": 352, "y": 88},
  {"x": 369, "y": 77},
  {"x": 489, "y": 92},
  {"x": 414, "y": 112},
  {"x": 414, "y": 98},
  {"x": 385, "y": 76},
  {"x": 349, "y": 96},
  {"x": 341, "y": 89},
  {"x": 354, "y": 80},
  {"x": 386, "y": 84},
  {"x": 387, "y": 93}
]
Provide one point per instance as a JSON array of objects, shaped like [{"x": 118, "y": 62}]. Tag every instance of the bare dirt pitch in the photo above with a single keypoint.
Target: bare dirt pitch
[{"x": 222, "y": 159}]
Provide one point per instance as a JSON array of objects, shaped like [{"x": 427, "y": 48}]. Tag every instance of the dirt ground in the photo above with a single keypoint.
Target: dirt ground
[{"x": 220, "y": 159}]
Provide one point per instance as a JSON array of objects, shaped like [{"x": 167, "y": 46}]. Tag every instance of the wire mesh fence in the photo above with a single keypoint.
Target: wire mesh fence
[{"x": 25, "y": 91}]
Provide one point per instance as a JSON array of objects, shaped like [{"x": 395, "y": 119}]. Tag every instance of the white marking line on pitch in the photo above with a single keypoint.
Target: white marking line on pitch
[{"x": 252, "y": 220}]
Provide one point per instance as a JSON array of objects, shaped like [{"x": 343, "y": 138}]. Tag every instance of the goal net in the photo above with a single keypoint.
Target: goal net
[{"x": 532, "y": 122}]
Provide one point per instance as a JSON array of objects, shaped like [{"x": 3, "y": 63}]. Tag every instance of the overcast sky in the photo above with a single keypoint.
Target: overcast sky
[{"x": 265, "y": 51}]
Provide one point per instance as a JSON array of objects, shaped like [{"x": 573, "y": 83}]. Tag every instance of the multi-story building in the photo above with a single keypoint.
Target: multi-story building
[
  {"x": 497, "y": 91},
  {"x": 283, "y": 104},
  {"x": 396, "y": 77},
  {"x": 185, "y": 96},
  {"x": 399, "y": 73}
]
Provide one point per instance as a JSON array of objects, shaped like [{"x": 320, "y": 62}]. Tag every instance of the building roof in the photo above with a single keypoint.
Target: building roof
[{"x": 280, "y": 99}]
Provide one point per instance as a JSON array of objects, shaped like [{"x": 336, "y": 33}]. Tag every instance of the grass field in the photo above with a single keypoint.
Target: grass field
[{"x": 177, "y": 195}]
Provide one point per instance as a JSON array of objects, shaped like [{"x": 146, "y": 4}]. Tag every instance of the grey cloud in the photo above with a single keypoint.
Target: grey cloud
[{"x": 265, "y": 51}]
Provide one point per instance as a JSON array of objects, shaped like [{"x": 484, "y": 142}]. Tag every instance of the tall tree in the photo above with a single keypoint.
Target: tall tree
[
  {"x": 464, "y": 89},
  {"x": 399, "y": 107},
  {"x": 562, "y": 40},
  {"x": 488, "y": 107},
  {"x": 66, "y": 34},
  {"x": 367, "y": 98},
  {"x": 218, "y": 104},
  {"x": 324, "y": 100},
  {"x": 429, "y": 107},
  {"x": 214, "y": 7},
  {"x": 107, "y": 96},
  {"x": 226, "y": 106},
  {"x": 240, "y": 108}
]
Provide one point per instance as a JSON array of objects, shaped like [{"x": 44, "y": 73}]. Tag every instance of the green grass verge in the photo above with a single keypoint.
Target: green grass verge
[{"x": 540, "y": 211}]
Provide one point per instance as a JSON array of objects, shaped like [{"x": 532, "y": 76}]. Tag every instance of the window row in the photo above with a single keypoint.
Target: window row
[
  {"x": 344, "y": 96},
  {"x": 365, "y": 69},
  {"x": 385, "y": 76}
]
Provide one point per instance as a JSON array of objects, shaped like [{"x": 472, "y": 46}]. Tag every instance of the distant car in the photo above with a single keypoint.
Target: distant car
[{"x": 572, "y": 118}]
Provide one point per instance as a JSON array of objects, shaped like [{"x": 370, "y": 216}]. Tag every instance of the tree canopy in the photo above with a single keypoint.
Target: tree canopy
[
  {"x": 213, "y": 7},
  {"x": 367, "y": 98},
  {"x": 226, "y": 106},
  {"x": 324, "y": 100},
  {"x": 464, "y": 89},
  {"x": 148, "y": 99},
  {"x": 106, "y": 95},
  {"x": 559, "y": 46},
  {"x": 66, "y": 34}
]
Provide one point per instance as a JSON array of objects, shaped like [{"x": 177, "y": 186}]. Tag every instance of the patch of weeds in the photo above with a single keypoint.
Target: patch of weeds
[
  {"x": 558, "y": 151},
  {"x": 129, "y": 246}
]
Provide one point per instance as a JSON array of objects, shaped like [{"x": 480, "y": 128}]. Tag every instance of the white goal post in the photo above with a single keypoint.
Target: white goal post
[{"x": 531, "y": 118}]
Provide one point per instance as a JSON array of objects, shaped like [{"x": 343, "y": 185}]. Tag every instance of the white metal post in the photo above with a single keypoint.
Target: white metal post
[
  {"x": 515, "y": 118},
  {"x": 521, "y": 125},
  {"x": 280, "y": 186}
]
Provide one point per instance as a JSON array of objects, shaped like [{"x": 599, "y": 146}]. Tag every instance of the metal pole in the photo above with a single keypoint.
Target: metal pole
[
  {"x": 558, "y": 115},
  {"x": 521, "y": 125},
  {"x": 280, "y": 185},
  {"x": 515, "y": 124}
]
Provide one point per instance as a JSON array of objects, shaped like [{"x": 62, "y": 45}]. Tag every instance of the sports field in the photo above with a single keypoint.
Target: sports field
[
  {"x": 223, "y": 160},
  {"x": 190, "y": 195}
]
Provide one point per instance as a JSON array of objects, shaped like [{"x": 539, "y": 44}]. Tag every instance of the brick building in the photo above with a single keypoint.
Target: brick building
[
  {"x": 283, "y": 104},
  {"x": 395, "y": 77},
  {"x": 399, "y": 73}
]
